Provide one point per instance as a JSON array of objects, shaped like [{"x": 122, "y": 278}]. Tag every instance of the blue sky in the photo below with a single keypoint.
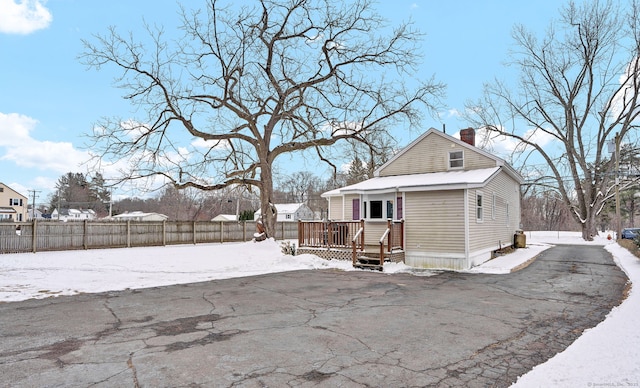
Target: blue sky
[{"x": 49, "y": 101}]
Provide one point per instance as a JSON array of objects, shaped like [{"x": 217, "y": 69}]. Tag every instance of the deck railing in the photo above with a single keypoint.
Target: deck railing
[
  {"x": 343, "y": 235},
  {"x": 327, "y": 234},
  {"x": 395, "y": 239},
  {"x": 357, "y": 243},
  {"x": 393, "y": 236}
]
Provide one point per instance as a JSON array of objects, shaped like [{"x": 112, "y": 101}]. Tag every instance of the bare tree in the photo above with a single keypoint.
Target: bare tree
[
  {"x": 578, "y": 88},
  {"x": 77, "y": 190},
  {"x": 253, "y": 84}
]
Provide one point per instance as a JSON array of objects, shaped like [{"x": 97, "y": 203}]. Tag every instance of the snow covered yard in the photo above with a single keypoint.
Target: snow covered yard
[{"x": 606, "y": 355}]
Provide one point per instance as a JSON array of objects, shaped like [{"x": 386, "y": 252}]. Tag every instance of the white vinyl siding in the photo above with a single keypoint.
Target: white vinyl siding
[
  {"x": 431, "y": 154},
  {"x": 434, "y": 221},
  {"x": 336, "y": 212},
  {"x": 491, "y": 233}
]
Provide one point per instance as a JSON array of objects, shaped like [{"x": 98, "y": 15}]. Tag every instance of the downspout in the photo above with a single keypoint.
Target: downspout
[{"x": 466, "y": 227}]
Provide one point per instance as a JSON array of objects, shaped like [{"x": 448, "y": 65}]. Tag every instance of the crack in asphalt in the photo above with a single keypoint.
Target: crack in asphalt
[{"x": 362, "y": 330}]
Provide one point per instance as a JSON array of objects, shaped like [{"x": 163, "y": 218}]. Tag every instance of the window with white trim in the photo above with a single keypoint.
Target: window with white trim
[
  {"x": 378, "y": 207},
  {"x": 375, "y": 209},
  {"x": 479, "y": 206},
  {"x": 456, "y": 159}
]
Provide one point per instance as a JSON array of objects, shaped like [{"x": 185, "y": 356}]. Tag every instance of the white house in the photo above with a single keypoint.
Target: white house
[
  {"x": 140, "y": 216},
  {"x": 290, "y": 212},
  {"x": 458, "y": 203},
  {"x": 224, "y": 217},
  {"x": 73, "y": 214}
]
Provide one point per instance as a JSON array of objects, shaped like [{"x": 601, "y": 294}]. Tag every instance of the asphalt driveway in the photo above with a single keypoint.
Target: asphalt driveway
[{"x": 314, "y": 328}]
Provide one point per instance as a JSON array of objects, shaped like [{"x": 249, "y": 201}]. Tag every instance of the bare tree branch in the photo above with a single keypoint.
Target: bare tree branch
[
  {"x": 246, "y": 85},
  {"x": 578, "y": 91}
]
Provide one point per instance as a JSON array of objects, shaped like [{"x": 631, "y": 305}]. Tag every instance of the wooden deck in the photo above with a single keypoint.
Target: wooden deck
[{"x": 345, "y": 240}]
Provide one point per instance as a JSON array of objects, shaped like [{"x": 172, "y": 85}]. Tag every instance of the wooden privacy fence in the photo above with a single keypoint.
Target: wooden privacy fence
[{"x": 38, "y": 235}]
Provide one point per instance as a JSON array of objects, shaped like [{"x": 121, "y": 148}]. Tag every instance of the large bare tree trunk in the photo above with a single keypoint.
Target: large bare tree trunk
[
  {"x": 267, "y": 208},
  {"x": 589, "y": 227}
]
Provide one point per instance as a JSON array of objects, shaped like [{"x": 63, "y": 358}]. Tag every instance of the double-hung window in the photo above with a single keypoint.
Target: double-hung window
[
  {"x": 456, "y": 160},
  {"x": 479, "y": 207}
]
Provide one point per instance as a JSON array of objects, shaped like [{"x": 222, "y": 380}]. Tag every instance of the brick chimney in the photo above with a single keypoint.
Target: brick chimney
[{"x": 468, "y": 136}]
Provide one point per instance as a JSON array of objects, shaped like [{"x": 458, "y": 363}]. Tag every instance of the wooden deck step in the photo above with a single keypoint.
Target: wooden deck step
[{"x": 376, "y": 267}]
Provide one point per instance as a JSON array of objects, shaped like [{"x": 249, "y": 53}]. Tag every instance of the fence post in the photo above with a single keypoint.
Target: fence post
[
  {"x": 34, "y": 235},
  {"x": 164, "y": 232},
  {"x": 194, "y": 233},
  {"x": 221, "y": 232},
  {"x": 128, "y": 233},
  {"x": 244, "y": 230},
  {"x": 84, "y": 234}
]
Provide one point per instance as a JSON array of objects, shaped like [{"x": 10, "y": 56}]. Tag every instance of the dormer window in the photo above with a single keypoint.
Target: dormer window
[{"x": 456, "y": 159}]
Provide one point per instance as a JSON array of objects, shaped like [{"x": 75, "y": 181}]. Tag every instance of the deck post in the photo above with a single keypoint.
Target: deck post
[
  {"x": 390, "y": 236},
  {"x": 354, "y": 253}
]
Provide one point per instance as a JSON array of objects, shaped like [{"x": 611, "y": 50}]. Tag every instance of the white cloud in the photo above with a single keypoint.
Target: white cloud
[
  {"x": 503, "y": 146},
  {"x": 23, "y": 16},
  {"x": 25, "y": 151},
  {"x": 222, "y": 145}
]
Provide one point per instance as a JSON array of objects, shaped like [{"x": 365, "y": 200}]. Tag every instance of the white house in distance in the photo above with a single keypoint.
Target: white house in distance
[
  {"x": 13, "y": 205},
  {"x": 289, "y": 212},
  {"x": 140, "y": 216},
  {"x": 73, "y": 214},
  {"x": 459, "y": 203},
  {"x": 224, "y": 217}
]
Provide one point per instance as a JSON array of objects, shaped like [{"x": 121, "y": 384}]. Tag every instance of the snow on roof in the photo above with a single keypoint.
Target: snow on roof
[
  {"x": 224, "y": 217},
  {"x": 284, "y": 208},
  {"x": 420, "y": 182},
  {"x": 138, "y": 214}
]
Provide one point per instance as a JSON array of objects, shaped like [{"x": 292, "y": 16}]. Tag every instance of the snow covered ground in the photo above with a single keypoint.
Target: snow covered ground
[{"x": 606, "y": 356}]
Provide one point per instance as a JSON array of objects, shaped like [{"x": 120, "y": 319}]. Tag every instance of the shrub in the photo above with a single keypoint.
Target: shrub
[{"x": 288, "y": 248}]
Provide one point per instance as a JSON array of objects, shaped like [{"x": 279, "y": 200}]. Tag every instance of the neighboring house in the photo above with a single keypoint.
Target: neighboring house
[
  {"x": 459, "y": 203},
  {"x": 13, "y": 205},
  {"x": 73, "y": 214},
  {"x": 290, "y": 212},
  {"x": 140, "y": 216},
  {"x": 35, "y": 214},
  {"x": 224, "y": 217}
]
